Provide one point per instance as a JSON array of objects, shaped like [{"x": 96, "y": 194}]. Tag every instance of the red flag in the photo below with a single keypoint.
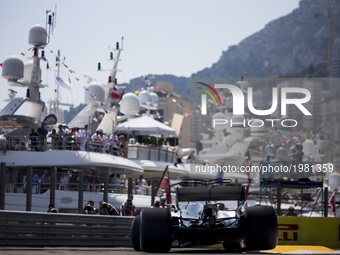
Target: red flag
[
  {"x": 47, "y": 66},
  {"x": 1, "y": 64},
  {"x": 166, "y": 186},
  {"x": 115, "y": 92},
  {"x": 332, "y": 203}
]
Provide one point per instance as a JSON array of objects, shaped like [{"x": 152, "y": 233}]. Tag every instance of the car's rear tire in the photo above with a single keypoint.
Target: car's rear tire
[
  {"x": 135, "y": 236},
  {"x": 261, "y": 228},
  {"x": 155, "y": 230}
]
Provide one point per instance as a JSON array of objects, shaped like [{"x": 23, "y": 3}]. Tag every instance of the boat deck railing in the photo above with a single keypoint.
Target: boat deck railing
[
  {"x": 151, "y": 153},
  {"x": 132, "y": 151},
  {"x": 40, "y": 188}
]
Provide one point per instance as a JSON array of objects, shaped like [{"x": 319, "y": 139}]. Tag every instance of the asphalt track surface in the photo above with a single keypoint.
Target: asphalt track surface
[{"x": 129, "y": 251}]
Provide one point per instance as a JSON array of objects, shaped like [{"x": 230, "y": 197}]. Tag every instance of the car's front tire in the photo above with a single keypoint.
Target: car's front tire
[
  {"x": 155, "y": 230},
  {"x": 261, "y": 228}
]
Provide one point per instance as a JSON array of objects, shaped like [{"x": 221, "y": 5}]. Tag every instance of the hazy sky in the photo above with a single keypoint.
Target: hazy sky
[{"x": 178, "y": 37}]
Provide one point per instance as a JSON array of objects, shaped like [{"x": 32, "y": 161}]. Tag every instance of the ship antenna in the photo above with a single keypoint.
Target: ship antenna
[{"x": 51, "y": 22}]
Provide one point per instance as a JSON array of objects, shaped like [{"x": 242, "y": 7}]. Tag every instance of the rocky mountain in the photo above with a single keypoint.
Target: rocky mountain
[{"x": 290, "y": 43}]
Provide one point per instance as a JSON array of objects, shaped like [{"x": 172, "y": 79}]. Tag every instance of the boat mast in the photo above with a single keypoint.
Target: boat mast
[{"x": 112, "y": 78}]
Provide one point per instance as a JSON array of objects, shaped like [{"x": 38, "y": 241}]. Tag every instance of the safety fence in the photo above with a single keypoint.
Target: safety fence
[{"x": 59, "y": 229}]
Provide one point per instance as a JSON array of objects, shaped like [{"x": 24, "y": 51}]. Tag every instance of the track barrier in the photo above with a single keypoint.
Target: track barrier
[
  {"x": 309, "y": 231},
  {"x": 61, "y": 229}
]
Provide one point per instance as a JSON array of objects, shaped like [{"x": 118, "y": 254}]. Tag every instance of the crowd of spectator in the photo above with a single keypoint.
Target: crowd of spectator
[{"x": 71, "y": 139}]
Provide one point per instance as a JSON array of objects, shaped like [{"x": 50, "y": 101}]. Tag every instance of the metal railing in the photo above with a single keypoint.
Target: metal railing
[
  {"x": 132, "y": 151},
  {"x": 151, "y": 153},
  {"x": 23, "y": 143},
  {"x": 61, "y": 229},
  {"x": 39, "y": 188}
]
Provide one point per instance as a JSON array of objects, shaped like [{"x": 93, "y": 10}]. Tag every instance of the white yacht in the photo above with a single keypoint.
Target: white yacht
[{"x": 19, "y": 152}]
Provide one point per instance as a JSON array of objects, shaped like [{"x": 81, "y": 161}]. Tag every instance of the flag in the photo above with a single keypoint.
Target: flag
[
  {"x": 47, "y": 66},
  {"x": 61, "y": 83},
  {"x": 99, "y": 103},
  {"x": 332, "y": 203},
  {"x": 65, "y": 65},
  {"x": 166, "y": 186},
  {"x": 22, "y": 53},
  {"x": 115, "y": 92},
  {"x": 76, "y": 78}
]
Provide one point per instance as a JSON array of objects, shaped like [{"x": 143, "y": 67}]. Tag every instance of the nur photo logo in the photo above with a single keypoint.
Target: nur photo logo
[{"x": 244, "y": 100}]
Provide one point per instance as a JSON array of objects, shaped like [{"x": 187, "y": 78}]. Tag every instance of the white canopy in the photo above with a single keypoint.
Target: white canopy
[
  {"x": 145, "y": 125},
  {"x": 71, "y": 159}
]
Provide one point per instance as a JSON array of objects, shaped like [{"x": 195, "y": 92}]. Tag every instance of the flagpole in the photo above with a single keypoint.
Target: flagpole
[
  {"x": 160, "y": 182},
  {"x": 56, "y": 108}
]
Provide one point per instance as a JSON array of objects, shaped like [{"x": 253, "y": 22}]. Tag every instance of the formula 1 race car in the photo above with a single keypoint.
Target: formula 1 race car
[{"x": 200, "y": 217}]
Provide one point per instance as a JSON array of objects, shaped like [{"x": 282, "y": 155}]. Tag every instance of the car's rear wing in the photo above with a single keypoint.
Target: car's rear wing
[{"x": 210, "y": 194}]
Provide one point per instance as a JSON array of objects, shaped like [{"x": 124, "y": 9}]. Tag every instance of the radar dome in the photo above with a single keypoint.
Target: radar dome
[
  {"x": 334, "y": 180},
  {"x": 144, "y": 98},
  {"x": 154, "y": 99},
  {"x": 129, "y": 105},
  {"x": 218, "y": 115},
  {"x": 37, "y": 36},
  {"x": 94, "y": 92},
  {"x": 13, "y": 68},
  {"x": 27, "y": 72}
]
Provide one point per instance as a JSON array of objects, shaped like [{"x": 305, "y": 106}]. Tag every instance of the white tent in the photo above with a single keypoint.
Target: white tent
[{"x": 145, "y": 125}]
